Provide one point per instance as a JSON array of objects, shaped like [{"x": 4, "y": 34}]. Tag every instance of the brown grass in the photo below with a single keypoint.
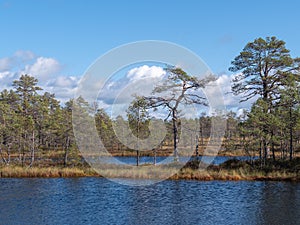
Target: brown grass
[
  {"x": 47, "y": 172},
  {"x": 233, "y": 175},
  {"x": 152, "y": 172}
]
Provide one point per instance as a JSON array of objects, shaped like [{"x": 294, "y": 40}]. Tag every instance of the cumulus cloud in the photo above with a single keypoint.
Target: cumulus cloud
[
  {"x": 5, "y": 64},
  {"x": 118, "y": 92},
  {"x": 63, "y": 81},
  {"x": 16, "y": 60},
  {"x": 11, "y": 66},
  {"x": 225, "y": 81},
  {"x": 6, "y": 79},
  {"x": 146, "y": 72},
  {"x": 64, "y": 87},
  {"x": 136, "y": 81},
  {"x": 43, "y": 68},
  {"x": 24, "y": 55},
  {"x": 231, "y": 101}
]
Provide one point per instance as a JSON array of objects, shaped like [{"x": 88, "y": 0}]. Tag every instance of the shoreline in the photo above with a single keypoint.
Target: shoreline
[{"x": 209, "y": 174}]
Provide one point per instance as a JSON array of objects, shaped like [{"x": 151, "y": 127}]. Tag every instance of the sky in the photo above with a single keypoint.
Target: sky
[{"x": 57, "y": 40}]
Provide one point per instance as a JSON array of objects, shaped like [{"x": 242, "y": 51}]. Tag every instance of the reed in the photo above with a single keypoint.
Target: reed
[
  {"x": 46, "y": 172},
  {"x": 229, "y": 171}
]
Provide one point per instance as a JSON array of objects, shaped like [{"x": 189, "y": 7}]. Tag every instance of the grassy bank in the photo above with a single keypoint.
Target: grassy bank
[
  {"x": 230, "y": 170},
  {"x": 235, "y": 175},
  {"x": 46, "y": 172}
]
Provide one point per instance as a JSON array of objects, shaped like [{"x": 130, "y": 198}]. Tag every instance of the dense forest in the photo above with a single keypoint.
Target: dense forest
[{"x": 35, "y": 126}]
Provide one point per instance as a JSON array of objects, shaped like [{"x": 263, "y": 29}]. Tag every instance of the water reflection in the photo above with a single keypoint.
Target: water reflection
[
  {"x": 280, "y": 203},
  {"x": 216, "y": 160},
  {"x": 99, "y": 201}
]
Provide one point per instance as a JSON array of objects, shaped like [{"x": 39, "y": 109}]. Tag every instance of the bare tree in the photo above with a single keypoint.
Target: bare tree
[{"x": 178, "y": 89}]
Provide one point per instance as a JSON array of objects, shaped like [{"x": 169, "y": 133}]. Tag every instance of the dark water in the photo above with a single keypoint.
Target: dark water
[{"x": 99, "y": 201}]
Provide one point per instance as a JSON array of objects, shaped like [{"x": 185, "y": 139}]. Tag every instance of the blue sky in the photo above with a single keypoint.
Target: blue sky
[{"x": 70, "y": 35}]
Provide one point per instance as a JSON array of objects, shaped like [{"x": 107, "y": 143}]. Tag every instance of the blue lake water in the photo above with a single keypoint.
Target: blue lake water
[
  {"x": 99, "y": 201},
  {"x": 164, "y": 160}
]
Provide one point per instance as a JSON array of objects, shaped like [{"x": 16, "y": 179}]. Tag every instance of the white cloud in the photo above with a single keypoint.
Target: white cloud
[
  {"x": 136, "y": 81},
  {"x": 5, "y": 63},
  {"x": 6, "y": 75},
  {"x": 117, "y": 93},
  {"x": 6, "y": 79},
  {"x": 43, "y": 68},
  {"x": 13, "y": 66},
  {"x": 64, "y": 87},
  {"x": 241, "y": 112},
  {"x": 231, "y": 101},
  {"x": 24, "y": 55},
  {"x": 61, "y": 81},
  {"x": 16, "y": 60},
  {"x": 225, "y": 81},
  {"x": 145, "y": 71},
  {"x": 139, "y": 80}
]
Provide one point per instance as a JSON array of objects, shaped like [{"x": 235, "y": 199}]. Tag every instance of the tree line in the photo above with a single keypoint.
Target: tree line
[
  {"x": 34, "y": 125},
  {"x": 268, "y": 71},
  {"x": 31, "y": 122}
]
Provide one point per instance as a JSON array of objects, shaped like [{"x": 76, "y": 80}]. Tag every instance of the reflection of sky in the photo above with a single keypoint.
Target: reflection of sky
[{"x": 129, "y": 160}]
